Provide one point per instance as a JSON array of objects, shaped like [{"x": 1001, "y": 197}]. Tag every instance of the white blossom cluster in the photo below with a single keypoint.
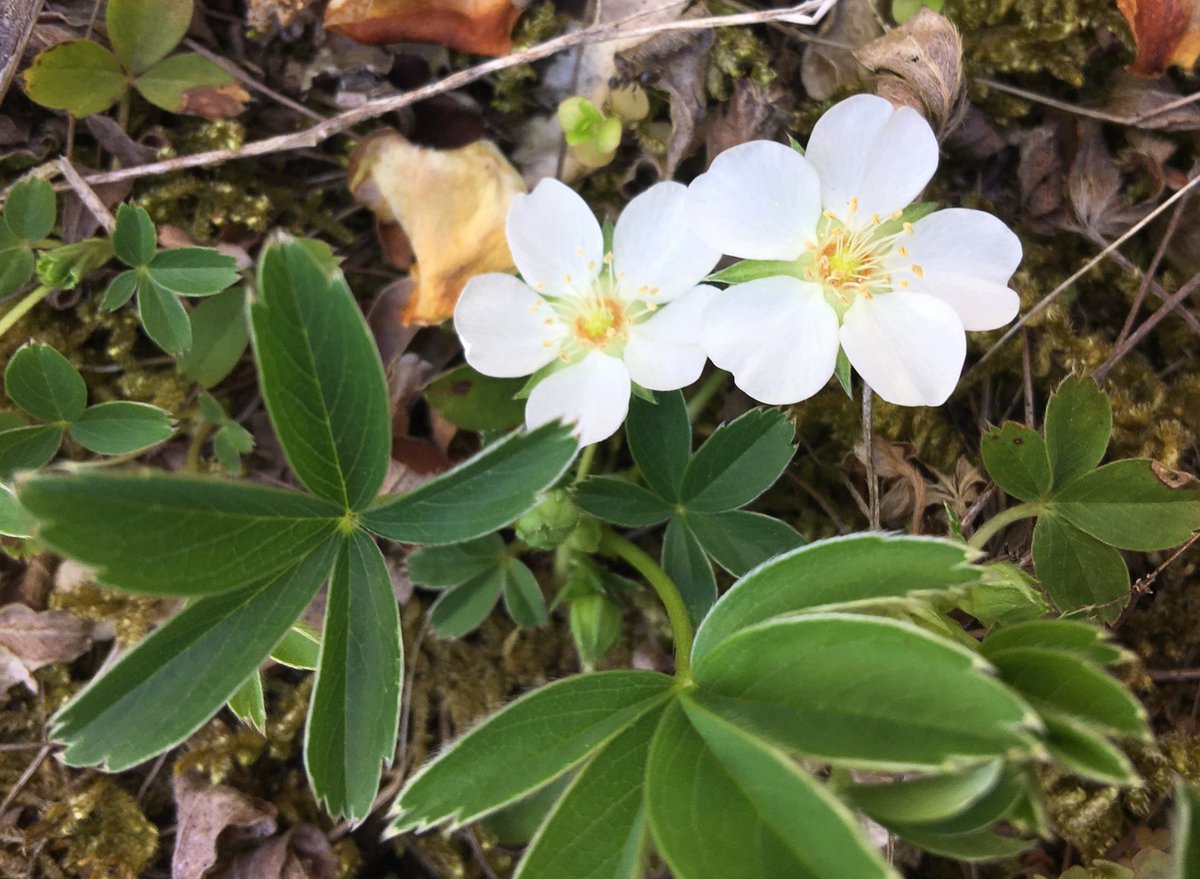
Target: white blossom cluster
[{"x": 848, "y": 270}]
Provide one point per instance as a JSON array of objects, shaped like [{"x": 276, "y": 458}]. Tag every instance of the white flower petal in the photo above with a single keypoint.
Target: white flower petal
[
  {"x": 555, "y": 240},
  {"x": 592, "y": 394},
  {"x": 657, "y": 256},
  {"x": 507, "y": 330},
  {"x": 663, "y": 352},
  {"x": 778, "y": 336},
  {"x": 866, "y": 149},
  {"x": 758, "y": 200},
  {"x": 908, "y": 347},
  {"x": 965, "y": 258}
]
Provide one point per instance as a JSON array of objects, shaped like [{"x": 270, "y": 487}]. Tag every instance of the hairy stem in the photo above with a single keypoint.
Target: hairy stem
[
  {"x": 22, "y": 308},
  {"x": 681, "y": 627},
  {"x": 1002, "y": 520}
]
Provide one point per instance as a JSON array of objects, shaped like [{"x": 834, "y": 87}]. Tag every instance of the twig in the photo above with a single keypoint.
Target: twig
[
  {"x": 1150, "y": 323},
  {"x": 1154, "y": 287},
  {"x": 807, "y": 13},
  {"x": 25, "y": 776},
  {"x": 251, "y": 83},
  {"x": 1174, "y": 674},
  {"x": 1151, "y": 271},
  {"x": 1087, "y": 267},
  {"x": 1142, "y": 586},
  {"x": 17, "y": 18},
  {"x": 87, "y": 195},
  {"x": 1027, "y": 369}
]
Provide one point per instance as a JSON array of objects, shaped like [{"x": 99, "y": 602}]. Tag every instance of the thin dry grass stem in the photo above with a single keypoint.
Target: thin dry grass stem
[
  {"x": 1077, "y": 110},
  {"x": 1148, "y": 275},
  {"x": 87, "y": 195},
  {"x": 251, "y": 83},
  {"x": 1050, "y": 297},
  {"x": 25, "y": 776},
  {"x": 868, "y": 428},
  {"x": 1027, "y": 370},
  {"x": 1143, "y": 585},
  {"x": 1154, "y": 287},
  {"x": 1174, "y": 674},
  {"x": 1131, "y": 341},
  {"x": 807, "y": 13},
  {"x": 16, "y": 24}
]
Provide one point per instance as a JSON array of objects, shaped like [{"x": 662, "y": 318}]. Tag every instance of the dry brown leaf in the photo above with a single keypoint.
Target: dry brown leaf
[
  {"x": 919, "y": 65},
  {"x": 753, "y": 112},
  {"x": 214, "y": 101},
  {"x": 1167, "y": 33},
  {"x": 211, "y": 818},
  {"x": 1154, "y": 105},
  {"x": 1041, "y": 173},
  {"x": 482, "y": 27},
  {"x": 451, "y": 204},
  {"x": 302, "y": 852},
  {"x": 830, "y": 67},
  {"x": 30, "y": 639}
]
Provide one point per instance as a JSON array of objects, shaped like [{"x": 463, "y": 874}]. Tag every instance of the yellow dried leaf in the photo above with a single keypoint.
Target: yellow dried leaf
[
  {"x": 450, "y": 204},
  {"x": 1167, "y": 33}
]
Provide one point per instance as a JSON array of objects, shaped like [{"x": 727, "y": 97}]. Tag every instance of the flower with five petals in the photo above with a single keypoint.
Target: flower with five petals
[
  {"x": 847, "y": 268},
  {"x": 588, "y": 323}
]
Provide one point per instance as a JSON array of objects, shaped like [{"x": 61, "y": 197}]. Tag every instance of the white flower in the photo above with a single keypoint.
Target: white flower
[
  {"x": 603, "y": 319},
  {"x": 896, "y": 296}
]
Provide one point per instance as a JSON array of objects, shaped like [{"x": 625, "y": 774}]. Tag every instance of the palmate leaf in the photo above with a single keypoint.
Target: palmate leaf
[
  {"x": 923, "y": 800},
  {"x": 320, "y": 374},
  {"x": 1078, "y": 424},
  {"x": 739, "y": 540},
  {"x": 740, "y": 461},
  {"x": 1076, "y": 569},
  {"x": 120, "y": 427},
  {"x": 1016, "y": 459},
  {"x": 684, "y": 561},
  {"x": 660, "y": 440},
  {"x": 175, "y": 679},
  {"x": 174, "y": 535},
  {"x": 527, "y": 745},
  {"x": 863, "y": 692},
  {"x": 355, "y": 712},
  {"x": 45, "y": 384},
  {"x": 839, "y": 572},
  {"x": 481, "y": 495},
  {"x": 724, "y": 804},
  {"x": 597, "y": 828},
  {"x": 143, "y": 31}
]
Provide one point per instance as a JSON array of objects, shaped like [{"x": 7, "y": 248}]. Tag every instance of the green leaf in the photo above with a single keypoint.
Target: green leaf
[
  {"x": 193, "y": 271},
  {"x": 977, "y": 845},
  {"x": 595, "y": 622},
  {"x": 163, "y": 317},
  {"x": 1059, "y": 682},
  {"x": 1186, "y": 832},
  {"x": 1015, "y": 457},
  {"x": 863, "y": 692},
  {"x": 1085, "y": 752},
  {"x": 247, "y": 703},
  {"x": 517, "y": 824},
  {"x": 352, "y": 724},
  {"x": 523, "y": 597},
  {"x": 167, "y": 83},
  {"x": 320, "y": 375},
  {"x": 685, "y": 563},
  {"x": 78, "y": 76},
  {"x": 64, "y": 267},
  {"x": 14, "y": 521},
  {"x": 927, "y": 799},
  {"x": 616, "y": 500},
  {"x": 300, "y": 648},
  {"x": 739, "y": 541},
  {"x": 230, "y": 443},
  {"x": 462, "y": 609},
  {"x": 28, "y": 448},
  {"x": 597, "y": 828},
  {"x": 740, "y": 461},
  {"x": 30, "y": 209},
  {"x": 45, "y": 384},
  {"x": 660, "y": 439},
  {"x": 175, "y": 535},
  {"x": 480, "y": 495},
  {"x": 136, "y": 709},
  {"x": 726, "y": 805},
  {"x": 16, "y": 264},
  {"x": 753, "y": 269},
  {"x": 1005, "y": 596},
  {"x": 120, "y": 427},
  {"x": 1001, "y": 801},
  {"x": 219, "y": 338},
  {"x": 144, "y": 31},
  {"x": 526, "y": 745},
  {"x": 839, "y": 572},
  {"x": 1077, "y": 570},
  {"x": 120, "y": 291},
  {"x": 443, "y": 567},
  {"x": 1132, "y": 504},
  {"x": 474, "y": 401},
  {"x": 842, "y": 372},
  {"x": 134, "y": 239},
  {"x": 1073, "y": 637},
  {"x": 1078, "y": 424}
]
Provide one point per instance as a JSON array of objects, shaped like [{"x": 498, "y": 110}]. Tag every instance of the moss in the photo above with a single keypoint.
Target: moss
[
  {"x": 99, "y": 831},
  {"x": 737, "y": 53},
  {"x": 130, "y": 615},
  {"x": 512, "y": 85}
]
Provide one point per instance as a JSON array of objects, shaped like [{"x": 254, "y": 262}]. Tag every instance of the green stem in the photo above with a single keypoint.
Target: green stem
[
  {"x": 707, "y": 390},
  {"x": 1002, "y": 520},
  {"x": 585, "y": 462},
  {"x": 22, "y": 308},
  {"x": 681, "y": 627}
]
